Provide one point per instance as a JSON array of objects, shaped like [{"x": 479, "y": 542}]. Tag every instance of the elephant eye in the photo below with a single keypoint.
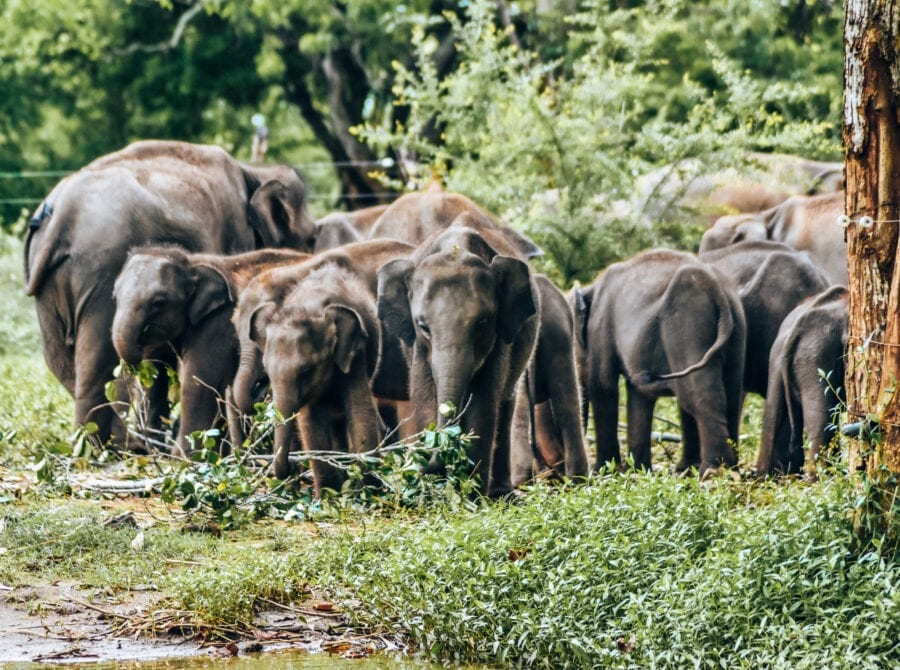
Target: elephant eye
[
  {"x": 423, "y": 327},
  {"x": 157, "y": 302}
]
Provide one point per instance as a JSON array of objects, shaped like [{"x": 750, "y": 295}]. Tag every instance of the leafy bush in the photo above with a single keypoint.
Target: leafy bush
[{"x": 633, "y": 570}]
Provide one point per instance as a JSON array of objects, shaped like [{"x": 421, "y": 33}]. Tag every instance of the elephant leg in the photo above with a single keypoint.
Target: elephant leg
[
  {"x": 690, "y": 442},
  {"x": 817, "y": 418},
  {"x": 640, "y": 423},
  {"x": 316, "y": 432},
  {"x": 95, "y": 360},
  {"x": 59, "y": 350},
  {"x": 548, "y": 438},
  {"x": 605, "y": 403},
  {"x": 521, "y": 459},
  {"x": 560, "y": 418},
  {"x": 286, "y": 440},
  {"x": 703, "y": 395},
  {"x": 360, "y": 410},
  {"x": 501, "y": 483}
]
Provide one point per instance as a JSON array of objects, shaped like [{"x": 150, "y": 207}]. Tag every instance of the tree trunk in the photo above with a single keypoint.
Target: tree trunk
[{"x": 871, "y": 138}]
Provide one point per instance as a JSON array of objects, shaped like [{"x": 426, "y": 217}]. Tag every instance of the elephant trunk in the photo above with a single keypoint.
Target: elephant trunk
[
  {"x": 249, "y": 372},
  {"x": 285, "y": 431},
  {"x": 126, "y": 334},
  {"x": 452, "y": 379}
]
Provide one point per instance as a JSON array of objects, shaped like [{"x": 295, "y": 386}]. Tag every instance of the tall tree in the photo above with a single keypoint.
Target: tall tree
[{"x": 871, "y": 137}]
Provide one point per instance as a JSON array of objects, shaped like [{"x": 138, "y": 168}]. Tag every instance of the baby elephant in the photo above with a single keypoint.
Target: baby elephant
[
  {"x": 671, "y": 325},
  {"x": 319, "y": 348},
  {"x": 165, "y": 295},
  {"x": 813, "y": 337}
]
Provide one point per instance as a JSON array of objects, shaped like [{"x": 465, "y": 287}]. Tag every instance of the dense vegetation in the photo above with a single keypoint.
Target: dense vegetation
[{"x": 547, "y": 113}]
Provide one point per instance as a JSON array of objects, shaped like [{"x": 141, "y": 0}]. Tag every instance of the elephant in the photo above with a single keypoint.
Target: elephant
[
  {"x": 772, "y": 279},
  {"x": 273, "y": 286},
  {"x": 685, "y": 187},
  {"x": 333, "y": 231},
  {"x": 150, "y": 192},
  {"x": 413, "y": 217},
  {"x": 551, "y": 387},
  {"x": 811, "y": 339},
  {"x": 361, "y": 220},
  {"x": 671, "y": 325},
  {"x": 166, "y": 296},
  {"x": 319, "y": 349},
  {"x": 467, "y": 308},
  {"x": 807, "y": 223}
]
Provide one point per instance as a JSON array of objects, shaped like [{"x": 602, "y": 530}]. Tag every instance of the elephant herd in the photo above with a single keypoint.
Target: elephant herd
[{"x": 363, "y": 324}]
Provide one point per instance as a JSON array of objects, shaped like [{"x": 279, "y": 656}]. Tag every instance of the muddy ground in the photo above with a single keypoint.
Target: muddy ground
[{"x": 64, "y": 622}]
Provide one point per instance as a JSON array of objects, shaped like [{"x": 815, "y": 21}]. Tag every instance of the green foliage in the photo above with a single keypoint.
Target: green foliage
[
  {"x": 555, "y": 146},
  {"x": 228, "y": 491},
  {"x": 631, "y": 571}
]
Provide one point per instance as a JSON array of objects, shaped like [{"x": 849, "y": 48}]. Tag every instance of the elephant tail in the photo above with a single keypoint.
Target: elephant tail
[
  {"x": 725, "y": 328},
  {"x": 41, "y": 245}
]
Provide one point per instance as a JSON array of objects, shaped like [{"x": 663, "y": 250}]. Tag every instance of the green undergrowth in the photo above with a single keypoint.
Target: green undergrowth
[{"x": 635, "y": 570}]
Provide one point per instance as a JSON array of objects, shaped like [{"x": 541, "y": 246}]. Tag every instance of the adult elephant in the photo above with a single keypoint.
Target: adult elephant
[
  {"x": 671, "y": 325},
  {"x": 811, "y": 341},
  {"x": 152, "y": 192},
  {"x": 414, "y": 217},
  {"x": 772, "y": 279},
  {"x": 807, "y": 223},
  {"x": 165, "y": 296},
  {"x": 468, "y": 309}
]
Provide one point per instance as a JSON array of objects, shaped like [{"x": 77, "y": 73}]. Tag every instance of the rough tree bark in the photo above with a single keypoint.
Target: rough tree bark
[{"x": 871, "y": 138}]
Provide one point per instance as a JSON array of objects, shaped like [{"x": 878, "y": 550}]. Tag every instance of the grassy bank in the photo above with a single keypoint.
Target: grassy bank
[{"x": 630, "y": 570}]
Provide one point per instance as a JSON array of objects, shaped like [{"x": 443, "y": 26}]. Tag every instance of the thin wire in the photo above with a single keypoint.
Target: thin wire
[
  {"x": 37, "y": 174},
  {"x": 348, "y": 196}
]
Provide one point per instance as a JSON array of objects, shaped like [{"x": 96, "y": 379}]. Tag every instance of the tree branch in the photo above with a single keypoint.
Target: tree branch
[{"x": 165, "y": 45}]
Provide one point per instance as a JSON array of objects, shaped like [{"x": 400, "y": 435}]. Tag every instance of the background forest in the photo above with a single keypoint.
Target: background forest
[{"x": 545, "y": 111}]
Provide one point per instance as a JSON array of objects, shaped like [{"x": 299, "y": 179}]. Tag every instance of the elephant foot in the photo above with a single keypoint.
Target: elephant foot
[
  {"x": 685, "y": 465},
  {"x": 283, "y": 469},
  {"x": 434, "y": 467},
  {"x": 501, "y": 490}
]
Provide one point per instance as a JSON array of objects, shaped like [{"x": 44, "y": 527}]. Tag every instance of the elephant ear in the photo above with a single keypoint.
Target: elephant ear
[
  {"x": 515, "y": 296},
  {"x": 211, "y": 292},
  {"x": 259, "y": 321},
  {"x": 279, "y": 217},
  {"x": 351, "y": 336},
  {"x": 521, "y": 242},
  {"x": 582, "y": 310},
  {"x": 393, "y": 300}
]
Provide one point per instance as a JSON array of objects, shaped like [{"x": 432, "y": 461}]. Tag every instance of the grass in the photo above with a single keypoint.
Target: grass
[{"x": 630, "y": 570}]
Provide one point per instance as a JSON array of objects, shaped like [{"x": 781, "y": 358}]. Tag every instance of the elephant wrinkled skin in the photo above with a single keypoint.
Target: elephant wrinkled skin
[
  {"x": 812, "y": 338},
  {"x": 468, "y": 309},
  {"x": 671, "y": 325},
  {"x": 152, "y": 192},
  {"x": 319, "y": 348},
  {"x": 772, "y": 279},
  {"x": 165, "y": 296}
]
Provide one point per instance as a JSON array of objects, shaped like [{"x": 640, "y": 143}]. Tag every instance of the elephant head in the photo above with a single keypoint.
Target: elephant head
[
  {"x": 456, "y": 309},
  {"x": 734, "y": 228},
  {"x": 277, "y": 208},
  {"x": 158, "y": 292}
]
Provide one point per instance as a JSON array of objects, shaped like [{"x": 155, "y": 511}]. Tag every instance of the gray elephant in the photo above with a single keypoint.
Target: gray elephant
[
  {"x": 272, "y": 287},
  {"x": 772, "y": 279},
  {"x": 468, "y": 310},
  {"x": 671, "y": 325},
  {"x": 413, "y": 217},
  {"x": 813, "y": 337},
  {"x": 806, "y": 223},
  {"x": 548, "y": 434},
  {"x": 319, "y": 348},
  {"x": 360, "y": 221},
  {"x": 165, "y": 296},
  {"x": 150, "y": 192}
]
